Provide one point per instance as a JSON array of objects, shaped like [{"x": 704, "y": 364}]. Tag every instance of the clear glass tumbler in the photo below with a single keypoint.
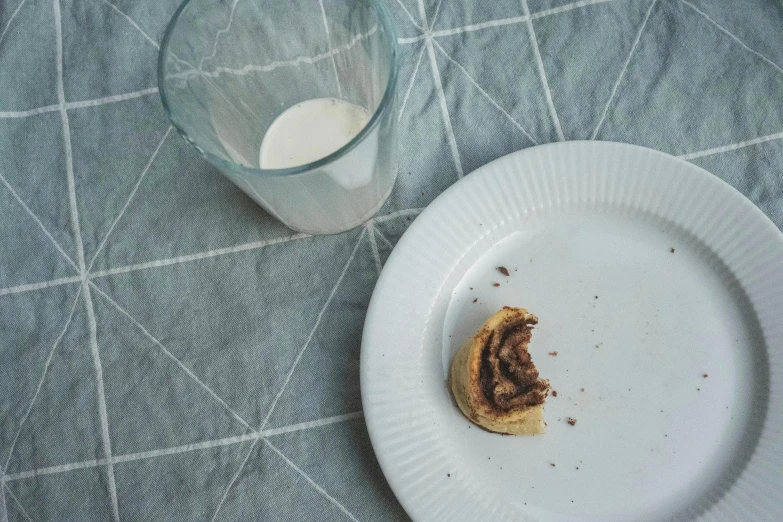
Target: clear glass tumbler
[{"x": 228, "y": 68}]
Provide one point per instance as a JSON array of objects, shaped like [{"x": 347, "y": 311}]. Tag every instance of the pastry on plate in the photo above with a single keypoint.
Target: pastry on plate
[{"x": 494, "y": 380}]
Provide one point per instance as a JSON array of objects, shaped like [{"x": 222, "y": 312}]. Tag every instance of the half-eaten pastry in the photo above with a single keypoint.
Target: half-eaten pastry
[{"x": 494, "y": 380}]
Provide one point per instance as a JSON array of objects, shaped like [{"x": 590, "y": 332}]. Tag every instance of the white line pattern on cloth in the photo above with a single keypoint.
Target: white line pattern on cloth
[
  {"x": 300, "y": 60},
  {"x": 410, "y": 16},
  {"x": 111, "y": 99},
  {"x": 435, "y": 16},
  {"x": 3, "y": 506},
  {"x": 733, "y": 146},
  {"x": 44, "y": 373},
  {"x": 104, "y": 415},
  {"x": 233, "y": 479},
  {"x": 410, "y": 39},
  {"x": 311, "y": 481},
  {"x": 151, "y": 454},
  {"x": 38, "y": 222},
  {"x": 442, "y": 96},
  {"x": 196, "y": 257},
  {"x": 399, "y": 213},
  {"x": 82, "y": 265},
  {"x": 132, "y": 22},
  {"x": 296, "y": 361},
  {"x": 410, "y": 85},
  {"x": 502, "y": 21},
  {"x": 625, "y": 68},
  {"x": 484, "y": 93},
  {"x": 315, "y": 327},
  {"x": 380, "y": 235},
  {"x": 374, "y": 247},
  {"x": 67, "y": 140},
  {"x": 542, "y": 73},
  {"x": 130, "y": 198},
  {"x": 11, "y": 19},
  {"x": 29, "y": 112},
  {"x": 733, "y": 36},
  {"x": 80, "y": 104},
  {"x": 292, "y": 370},
  {"x": 38, "y": 286},
  {"x": 312, "y": 424},
  {"x": 567, "y": 7},
  {"x": 143, "y": 33},
  {"x": 18, "y": 504},
  {"x": 187, "y": 258},
  {"x": 479, "y": 26},
  {"x": 171, "y": 356}
]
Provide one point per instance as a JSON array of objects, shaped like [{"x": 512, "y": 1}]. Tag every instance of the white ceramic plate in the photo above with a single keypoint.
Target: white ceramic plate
[{"x": 661, "y": 289}]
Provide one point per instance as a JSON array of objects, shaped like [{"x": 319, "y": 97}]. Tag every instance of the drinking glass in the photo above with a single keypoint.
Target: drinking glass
[{"x": 228, "y": 68}]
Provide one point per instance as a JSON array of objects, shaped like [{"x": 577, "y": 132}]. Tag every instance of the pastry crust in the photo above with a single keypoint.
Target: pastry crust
[{"x": 493, "y": 380}]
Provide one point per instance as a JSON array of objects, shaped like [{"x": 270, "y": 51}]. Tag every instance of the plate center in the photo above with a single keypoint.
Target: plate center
[{"x": 651, "y": 346}]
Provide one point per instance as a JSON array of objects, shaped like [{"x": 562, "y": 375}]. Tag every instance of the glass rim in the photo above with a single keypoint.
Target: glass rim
[{"x": 383, "y": 106}]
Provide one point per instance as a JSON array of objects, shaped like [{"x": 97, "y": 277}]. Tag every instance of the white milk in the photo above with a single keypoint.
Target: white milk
[
  {"x": 309, "y": 131},
  {"x": 335, "y": 197}
]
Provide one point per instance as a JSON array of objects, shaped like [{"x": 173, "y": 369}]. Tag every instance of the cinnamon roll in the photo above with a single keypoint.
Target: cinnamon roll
[{"x": 494, "y": 380}]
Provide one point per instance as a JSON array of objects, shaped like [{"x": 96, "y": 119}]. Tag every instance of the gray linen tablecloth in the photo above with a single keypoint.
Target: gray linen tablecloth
[{"x": 151, "y": 314}]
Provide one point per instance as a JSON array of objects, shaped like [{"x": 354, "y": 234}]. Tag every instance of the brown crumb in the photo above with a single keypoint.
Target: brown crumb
[
  {"x": 705, "y": 375},
  {"x": 503, "y": 270},
  {"x": 448, "y": 474},
  {"x": 596, "y": 346},
  {"x": 581, "y": 389},
  {"x": 554, "y": 393},
  {"x": 552, "y": 464},
  {"x": 553, "y": 354},
  {"x": 596, "y": 297},
  {"x": 671, "y": 250},
  {"x": 476, "y": 299},
  {"x": 571, "y": 421},
  {"x": 495, "y": 284}
]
